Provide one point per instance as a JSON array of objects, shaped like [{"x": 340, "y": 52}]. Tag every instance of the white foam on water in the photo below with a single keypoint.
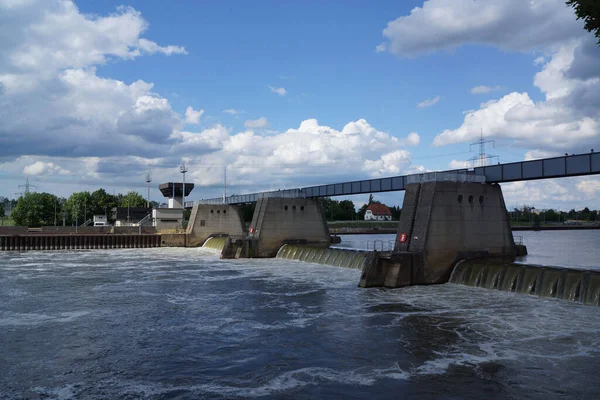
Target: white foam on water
[{"x": 67, "y": 392}]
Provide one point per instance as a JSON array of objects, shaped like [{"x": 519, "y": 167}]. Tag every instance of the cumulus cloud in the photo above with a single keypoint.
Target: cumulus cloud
[
  {"x": 52, "y": 95},
  {"x": 569, "y": 78},
  {"x": 568, "y": 119},
  {"x": 460, "y": 164},
  {"x": 259, "y": 123},
  {"x": 515, "y": 25},
  {"x": 193, "y": 116},
  {"x": 590, "y": 187},
  {"x": 485, "y": 89},
  {"x": 428, "y": 102},
  {"x": 280, "y": 91},
  {"x": 41, "y": 168}
]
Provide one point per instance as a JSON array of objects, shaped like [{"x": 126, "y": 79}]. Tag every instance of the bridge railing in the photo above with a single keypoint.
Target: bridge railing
[{"x": 444, "y": 177}]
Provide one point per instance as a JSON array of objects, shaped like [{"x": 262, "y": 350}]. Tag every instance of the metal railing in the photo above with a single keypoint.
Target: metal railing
[
  {"x": 380, "y": 245},
  {"x": 86, "y": 223},
  {"x": 445, "y": 177},
  {"x": 146, "y": 221}
]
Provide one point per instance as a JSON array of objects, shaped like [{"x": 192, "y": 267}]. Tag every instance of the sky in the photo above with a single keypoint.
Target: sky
[{"x": 290, "y": 94}]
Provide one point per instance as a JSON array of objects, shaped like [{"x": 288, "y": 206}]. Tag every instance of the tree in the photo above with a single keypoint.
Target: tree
[
  {"x": 102, "y": 202},
  {"x": 589, "y": 12},
  {"x": 2, "y": 213},
  {"x": 133, "y": 199},
  {"x": 35, "y": 209},
  {"x": 78, "y": 208}
]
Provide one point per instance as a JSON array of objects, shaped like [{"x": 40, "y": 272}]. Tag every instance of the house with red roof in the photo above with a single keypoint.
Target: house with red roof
[{"x": 378, "y": 212}]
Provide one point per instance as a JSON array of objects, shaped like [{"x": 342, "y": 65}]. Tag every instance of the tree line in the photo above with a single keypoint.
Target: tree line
[
  {"x": 532, "y": 215},
  {"x": 45, "y": 209}
]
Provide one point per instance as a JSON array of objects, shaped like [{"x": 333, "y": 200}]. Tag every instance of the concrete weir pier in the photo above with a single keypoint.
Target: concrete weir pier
[
  {"x": 278, "y": 221},
  {"x": 208, "y": 220},
  {"x": 443, "y": 222}
]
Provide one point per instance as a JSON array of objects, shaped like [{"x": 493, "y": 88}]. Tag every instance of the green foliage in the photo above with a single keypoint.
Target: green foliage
[
  {"x": 589, "y": 12},
  {"x": 35, "y": 209},
  {"x": 78, "y": 208},
  {"x": 133, "y": 199},
  {"x": 2, "y": 212},
  {"x": 338, "y": 210}
]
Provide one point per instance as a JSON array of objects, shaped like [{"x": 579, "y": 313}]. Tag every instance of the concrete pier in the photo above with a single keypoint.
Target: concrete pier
[
  {"x": 441, "y": 223},
  {"x": 213, "y": 220},
  {"x": 278, "y": 221}
]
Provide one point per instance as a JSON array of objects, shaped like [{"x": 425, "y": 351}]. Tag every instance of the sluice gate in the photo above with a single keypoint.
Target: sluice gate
[
  {"x": 216, "y": 243},
  {"x": 79, "y": 242},
  {"x": 560, "y": 283},
  {"x": 355, "y": 259}
]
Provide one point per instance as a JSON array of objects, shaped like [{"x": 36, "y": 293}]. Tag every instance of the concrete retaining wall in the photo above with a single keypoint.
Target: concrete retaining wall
[
  {"x": 173, "y": 240},
  {"x": 66, "y": 242},
  {"x": 83, "y": 230},
  {"x": 13, "y": 230}
]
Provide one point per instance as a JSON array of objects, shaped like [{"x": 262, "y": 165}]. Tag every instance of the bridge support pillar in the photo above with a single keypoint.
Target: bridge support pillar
[
  {"x": 278, "y": 221},
  {"x": 441, "y": 223},
  {"x": 208, "y": 220}
]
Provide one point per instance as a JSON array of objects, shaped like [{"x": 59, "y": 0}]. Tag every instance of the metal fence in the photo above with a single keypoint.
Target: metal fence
[{"x": 445, "y": 177}]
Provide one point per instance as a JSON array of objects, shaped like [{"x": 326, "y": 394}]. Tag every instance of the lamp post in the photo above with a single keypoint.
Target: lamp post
[
  {"x": 183, "y": 170},
  {"x": 148, "y": 180}
]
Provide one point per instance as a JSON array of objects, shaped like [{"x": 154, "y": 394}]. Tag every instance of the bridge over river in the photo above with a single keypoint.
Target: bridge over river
[{"x": 546, "y": 168}]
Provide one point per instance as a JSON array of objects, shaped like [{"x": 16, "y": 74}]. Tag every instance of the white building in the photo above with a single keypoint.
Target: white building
[{"x": 378, "y": 212}]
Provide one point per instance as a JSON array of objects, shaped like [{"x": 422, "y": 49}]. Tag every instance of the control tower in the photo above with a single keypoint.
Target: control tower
[{"x": 174, "y": 192}]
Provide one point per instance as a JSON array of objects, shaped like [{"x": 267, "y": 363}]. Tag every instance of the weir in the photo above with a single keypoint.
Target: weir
[
  {"x": 355, "y": 259},
  {"x": 553, "y": 282}
]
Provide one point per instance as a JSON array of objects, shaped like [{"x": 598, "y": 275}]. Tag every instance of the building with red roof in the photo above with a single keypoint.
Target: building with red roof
[{"x": 378, "y": 212}]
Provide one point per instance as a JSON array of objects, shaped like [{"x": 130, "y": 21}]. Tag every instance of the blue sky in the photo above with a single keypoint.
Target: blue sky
[
  {"x": 98, "y": 97},
  {"x": 323, "y": 53}
]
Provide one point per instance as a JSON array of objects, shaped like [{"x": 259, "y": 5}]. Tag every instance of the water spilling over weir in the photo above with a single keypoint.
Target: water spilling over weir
[
  {"x": 559, "y": 283},
  {"x": 215, "y": 243},
  {"x": 355, "y": 259}
]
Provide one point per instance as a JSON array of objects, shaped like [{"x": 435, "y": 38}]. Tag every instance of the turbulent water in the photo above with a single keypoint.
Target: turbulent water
[{"x": 172, "y": 323}]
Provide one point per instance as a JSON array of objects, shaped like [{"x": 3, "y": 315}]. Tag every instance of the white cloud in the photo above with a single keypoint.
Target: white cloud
[
  {"x": 485, "y": 89},
  {"x": 508, "y": 24},
  {"x": 42, "y": 168},
  {"x": 561, "y": 122},
  {"x": 259, "y": 123},
  {"x": 232, "y": 111},
  {"x": 460, "y": 164},
  {"x": 413, "y": 139},
  {"x": 309, "y": 154},
  {"x": 192, "y": 116},
  {"x": 280, "y": 91},
  {"x": 569, "y": 116},
  {"x": 563, "y": 194},
  {"x": 52, "y": 95},
  {"x": 590, "y": 187},
  {"x": 151, "y": 47},
  {"x": 428, "y": 102}
]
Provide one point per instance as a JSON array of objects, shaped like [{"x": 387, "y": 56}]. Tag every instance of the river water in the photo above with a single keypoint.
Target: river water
[{"x": 172, "y": 323}]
